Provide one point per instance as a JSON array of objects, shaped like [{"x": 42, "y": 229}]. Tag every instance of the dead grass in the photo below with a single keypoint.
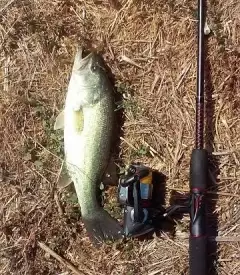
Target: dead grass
[{"x": 151, "y": 48}]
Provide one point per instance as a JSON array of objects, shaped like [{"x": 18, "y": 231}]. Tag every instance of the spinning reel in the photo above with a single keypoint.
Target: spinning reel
[{"x": 135, "y": 194}]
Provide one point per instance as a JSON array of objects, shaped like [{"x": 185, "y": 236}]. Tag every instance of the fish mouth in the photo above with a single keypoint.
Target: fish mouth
[
  {"x": 85, "y": 54},
  {"x": 82, "y": 59}
]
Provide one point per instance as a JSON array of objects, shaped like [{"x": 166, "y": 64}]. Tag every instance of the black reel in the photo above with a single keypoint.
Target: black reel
[{"x": 135, "y": 194}]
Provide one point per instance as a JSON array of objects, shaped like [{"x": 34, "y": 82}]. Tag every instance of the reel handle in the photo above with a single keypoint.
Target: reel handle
[{"x": 138, "y": 210}]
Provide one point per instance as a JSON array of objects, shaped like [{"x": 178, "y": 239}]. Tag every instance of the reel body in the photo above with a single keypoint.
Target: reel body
[{"x": 135, "y": 195}]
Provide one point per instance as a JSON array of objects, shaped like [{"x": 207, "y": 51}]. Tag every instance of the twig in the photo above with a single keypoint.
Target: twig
[
  {"x": 182, "y": 246},
  {"x": 128, "y": 143},
  {"x": 162, "y": 261},
  {"x": 124, "y": 7},
  {"x": 79, "y": 17},
  {"x": 178, "y": 153},
  {"x": 6, "y": 75},
  {"x": 59, "y": 172},
  {"x": 216, "y": 238},
  {"x": 153, "y": 152},
  {"x": 225, "y": 239},
  {"x": 208, "y": 192},
  {"x": 43, "y": 147},
  {"x": 225, "y": 80},
  {"x": 155, "y": 81},
  {"x": 7, "y": 203},
  {"x": 59, "y": 258},
  {"x": 7, "y": 5},
  {"x": 59, "y": 206},
  {"x": 233, "y": 221},
  {"x": 223, "y": 153},
  {"x": 130, "y": 61},
  {"x": 182, "y": 75},
  {"x": 223, "y": 194},
  {"x": 36, "y": 171}
]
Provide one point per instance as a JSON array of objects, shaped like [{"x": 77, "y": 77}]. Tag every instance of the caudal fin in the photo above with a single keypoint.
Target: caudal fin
[{"x": 101, "y": 226}]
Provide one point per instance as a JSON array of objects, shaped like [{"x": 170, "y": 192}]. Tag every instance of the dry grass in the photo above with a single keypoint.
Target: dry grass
[{"x": 151, "y": 48}]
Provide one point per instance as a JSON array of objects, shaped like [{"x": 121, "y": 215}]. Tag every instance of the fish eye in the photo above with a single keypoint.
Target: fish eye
[{"x": 94, "y": 68}]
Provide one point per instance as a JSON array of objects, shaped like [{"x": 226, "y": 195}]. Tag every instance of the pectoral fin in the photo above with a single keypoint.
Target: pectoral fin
[
  {"x": 59, "y": 123},
  {"x": 79, "y": 120}
]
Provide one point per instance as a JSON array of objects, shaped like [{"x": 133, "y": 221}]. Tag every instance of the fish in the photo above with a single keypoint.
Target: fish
[{"x": 88, "y": 123}]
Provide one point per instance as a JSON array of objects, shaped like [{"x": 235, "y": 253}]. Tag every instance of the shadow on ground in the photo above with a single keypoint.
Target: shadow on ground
[{"x": 212, "y": 217}]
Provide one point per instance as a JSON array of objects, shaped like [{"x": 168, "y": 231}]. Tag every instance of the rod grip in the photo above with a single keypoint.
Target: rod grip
[
  {"x": 198, "y": 240},
  {"x": 199, "y": 169},
  {"x": 197, "y": 255}
]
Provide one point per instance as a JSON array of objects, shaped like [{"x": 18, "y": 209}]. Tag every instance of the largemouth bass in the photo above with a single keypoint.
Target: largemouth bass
[{"x": 88, "y": 120}]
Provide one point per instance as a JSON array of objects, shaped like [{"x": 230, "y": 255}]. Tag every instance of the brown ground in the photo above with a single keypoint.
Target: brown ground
[{"x": 38, "y": 40}]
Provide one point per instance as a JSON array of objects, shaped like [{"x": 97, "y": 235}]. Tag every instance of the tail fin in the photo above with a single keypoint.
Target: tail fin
[{"x": 101, "y": 226}]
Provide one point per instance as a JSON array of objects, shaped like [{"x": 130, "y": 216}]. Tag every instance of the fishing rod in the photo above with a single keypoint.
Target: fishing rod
[
  {"x": 137, "y": 186},
  {"x": 199, "y": 167}
]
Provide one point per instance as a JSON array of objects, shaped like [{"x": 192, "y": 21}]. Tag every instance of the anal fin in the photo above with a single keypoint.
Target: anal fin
[{"x": 64, "y": 179}]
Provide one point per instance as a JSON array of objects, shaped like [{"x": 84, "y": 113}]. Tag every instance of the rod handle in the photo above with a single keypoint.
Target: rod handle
[
  {"x": 197, "y": 255},
  {"x": 198, "y": 184},
  {"x": 199, "y": 169}
]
